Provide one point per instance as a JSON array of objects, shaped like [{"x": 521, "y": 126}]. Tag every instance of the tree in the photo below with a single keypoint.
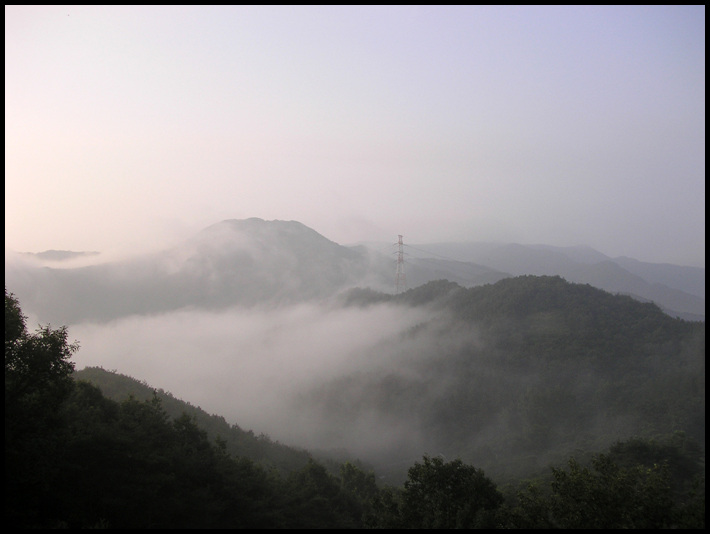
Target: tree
[
  {"x": 37, "y": 365},
  {"x": 362, "y": 486},
  {"x": 358, "y": 482},
  {"x": 385, "y": 513},
  {"x": 440, "y": 494},
  {"x": 607, "y": 496},
  {"x": 315, "y": 499},
  {"x": 603, "y": 495},
  {"x": 37, "y": 381}
]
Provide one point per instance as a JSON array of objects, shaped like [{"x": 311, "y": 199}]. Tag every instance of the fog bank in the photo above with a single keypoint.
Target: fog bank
[{"x": 255, "y": 367}]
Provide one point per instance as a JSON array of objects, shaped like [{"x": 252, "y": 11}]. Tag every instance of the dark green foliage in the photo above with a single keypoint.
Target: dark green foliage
[
  {"x": 359, "y": 483},
  {"x": 684, "y": 458},
  {"x": 606, "y": 496},
  {"x": 37, "y": 381},
  {"x": 313, "y": 498},
  {"x": 386, "y": 510},
  {"x": 440, "y": 494},
  {"x": 15, "y": 321},
  {"x": 436, "y": 291},
  {"x": 238, "y": 442},
  {"x": 37, "y": 366},
  {"x": 684, "y": 461},
  {"x": 127, "y": 465}
]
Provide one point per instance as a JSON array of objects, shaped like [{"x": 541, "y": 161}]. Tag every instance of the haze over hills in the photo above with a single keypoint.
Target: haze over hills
[
  {"x": 245, "y": 262},
  {"x": 280, "y": 330},
  {"x": 252, "y": 261},
  {"x": 522, "y": 372},
  {"x": 511, "y": 376},
  {"x": 678, "y": 290}
]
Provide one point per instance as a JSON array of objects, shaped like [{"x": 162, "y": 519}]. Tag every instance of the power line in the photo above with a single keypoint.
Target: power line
[{"x": 433, "y": 254}]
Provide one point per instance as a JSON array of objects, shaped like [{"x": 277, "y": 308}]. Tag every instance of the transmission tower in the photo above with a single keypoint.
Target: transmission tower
[{"x": 400, "y": 280}]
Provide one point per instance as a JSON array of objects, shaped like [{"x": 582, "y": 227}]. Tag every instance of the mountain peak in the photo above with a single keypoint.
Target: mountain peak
[{"x": 276, "y": 233}]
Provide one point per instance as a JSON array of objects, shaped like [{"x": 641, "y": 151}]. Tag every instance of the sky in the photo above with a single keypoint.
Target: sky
[{"x": 134, "y": 127}]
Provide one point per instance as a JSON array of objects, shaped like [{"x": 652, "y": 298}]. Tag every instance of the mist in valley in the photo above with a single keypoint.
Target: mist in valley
[
  {"x": 383, "y": 383},
  {"x": 259, "y": 367},
  {"x": 261, "y": 322}
]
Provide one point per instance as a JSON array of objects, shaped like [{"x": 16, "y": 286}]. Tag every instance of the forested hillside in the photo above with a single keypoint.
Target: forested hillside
[
  {"x": 545, "y": 404},
  {"x": 526, "y": 371},
  {"x": 238, "y": 442}
]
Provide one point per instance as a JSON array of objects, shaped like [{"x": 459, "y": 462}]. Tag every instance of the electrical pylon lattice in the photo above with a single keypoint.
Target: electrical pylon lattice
[{"x": 400, "y": 280}]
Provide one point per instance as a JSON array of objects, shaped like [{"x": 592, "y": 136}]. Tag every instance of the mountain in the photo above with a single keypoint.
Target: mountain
[
  {"x": 678, "y": 290},
  {"x": 235, "y": 262},
  {"x": 422, "y": 270},
  {"x": 690, "y": 280},
  {"x": 255, "y": 262},
  {"x": 514, "y": 375}
]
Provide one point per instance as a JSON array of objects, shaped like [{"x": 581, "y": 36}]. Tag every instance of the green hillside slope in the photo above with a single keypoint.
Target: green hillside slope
[
  {"x": 523, "y": 372},
  {"x": 242, "y": 443}
]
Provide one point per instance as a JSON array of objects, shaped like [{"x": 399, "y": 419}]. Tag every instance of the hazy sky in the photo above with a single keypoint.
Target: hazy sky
[{"x": 133, "y": 126}]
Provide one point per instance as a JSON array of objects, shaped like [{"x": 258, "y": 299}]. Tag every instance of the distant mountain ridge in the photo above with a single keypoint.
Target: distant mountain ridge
[
  {"x": 252, "y": 261},
  {"x": 678, "y": 290}
]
